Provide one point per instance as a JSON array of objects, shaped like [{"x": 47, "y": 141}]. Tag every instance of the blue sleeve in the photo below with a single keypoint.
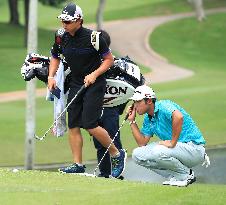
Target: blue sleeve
[
  {"x": 146, "y": 129},
  {"x": 167, "y": 109}
]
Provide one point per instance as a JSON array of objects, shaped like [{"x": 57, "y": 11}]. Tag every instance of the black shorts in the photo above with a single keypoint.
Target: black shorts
[{"x": 86, "y": 109}]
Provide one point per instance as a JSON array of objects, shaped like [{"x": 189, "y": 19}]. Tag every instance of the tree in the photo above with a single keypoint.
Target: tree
[
  {"x": 52, "y": 2},
  {"x": 99, "y": 14},
  {"x": 13, "y": 10},
  {"x": 199, "y": 10}
]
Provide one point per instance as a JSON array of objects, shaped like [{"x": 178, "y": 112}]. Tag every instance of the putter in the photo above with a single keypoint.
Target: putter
[
  {"x": 126, "y": 117},
  {"x": 43, "y": 137}
]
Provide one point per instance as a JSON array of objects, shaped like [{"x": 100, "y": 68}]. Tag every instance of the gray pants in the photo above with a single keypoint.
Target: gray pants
[{"x": 169, "y": 162}]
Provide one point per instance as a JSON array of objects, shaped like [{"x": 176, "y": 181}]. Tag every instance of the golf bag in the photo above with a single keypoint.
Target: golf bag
[{"x": 122, "y": 78}]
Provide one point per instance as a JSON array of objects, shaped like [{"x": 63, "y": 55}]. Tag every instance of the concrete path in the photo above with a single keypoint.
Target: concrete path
[
  {"x": 19, "y": 95},
  {"x": 130, "y": 37}
]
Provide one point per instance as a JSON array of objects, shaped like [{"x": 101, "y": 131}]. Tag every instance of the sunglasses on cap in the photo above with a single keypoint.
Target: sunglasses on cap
[{"x": 67, "y": 22}]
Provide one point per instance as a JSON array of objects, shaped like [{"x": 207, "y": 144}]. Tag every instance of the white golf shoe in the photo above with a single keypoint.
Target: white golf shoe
[{"x": 181, "y": 183}]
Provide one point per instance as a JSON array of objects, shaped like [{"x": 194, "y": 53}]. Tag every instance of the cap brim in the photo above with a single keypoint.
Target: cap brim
[{"x": 137, "y": 97}]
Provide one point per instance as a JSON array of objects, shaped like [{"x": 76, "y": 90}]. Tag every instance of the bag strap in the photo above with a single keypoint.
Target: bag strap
[{"x": 95, "y": 39}]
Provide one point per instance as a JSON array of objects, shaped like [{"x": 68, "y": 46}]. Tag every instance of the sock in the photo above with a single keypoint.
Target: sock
[
  {"x": 80, "y": 165},
  {"x": 117, "y": 155}
]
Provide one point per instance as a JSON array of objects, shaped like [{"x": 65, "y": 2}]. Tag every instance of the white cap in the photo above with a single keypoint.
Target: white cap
[
  {"x": 142, "y": 92},
  {"x": 71, "y": 12}
]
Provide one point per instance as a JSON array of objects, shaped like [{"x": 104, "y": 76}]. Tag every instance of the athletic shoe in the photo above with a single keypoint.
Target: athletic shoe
[
  {"x": 181, "y": 183},
  {"x": 118, "y": 164},
  {"x": 109, "y": 176},
  {"x": 73, "y": 168},
  {"x": 103, "y": 175},
  {"x": 121, "y": 177}
]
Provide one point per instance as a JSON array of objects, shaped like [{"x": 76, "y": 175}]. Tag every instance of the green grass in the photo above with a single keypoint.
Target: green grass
[
  {"x": 186, "y": 43},
  {"x": 200, "y": 47},
  {"x": 13, "y": 53},
  {"x": 35, "y": 187},
  {"x": 202, "y": 95},
  {"x": 51, "y": 150},
  {"x": 127, "y": 9}
]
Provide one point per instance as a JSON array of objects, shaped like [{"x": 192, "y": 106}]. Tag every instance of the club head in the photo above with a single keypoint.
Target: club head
[{"x": 38, "y": 138}]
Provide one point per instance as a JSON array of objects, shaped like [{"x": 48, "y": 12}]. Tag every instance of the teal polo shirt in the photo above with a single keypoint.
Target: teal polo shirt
[{"x": 161, "y": 124}]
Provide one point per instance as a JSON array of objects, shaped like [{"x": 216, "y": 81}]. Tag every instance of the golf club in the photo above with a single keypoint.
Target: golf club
[
  {"x": 126, "y": 117},
  {"x": 79, "y": 91}
]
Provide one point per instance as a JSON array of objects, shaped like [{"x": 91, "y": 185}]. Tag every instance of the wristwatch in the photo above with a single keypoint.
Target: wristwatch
[{"x": 132, "y": 122}]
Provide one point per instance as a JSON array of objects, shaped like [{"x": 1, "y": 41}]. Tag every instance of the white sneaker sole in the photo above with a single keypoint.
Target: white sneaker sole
[{"x": 189, "y": 181}]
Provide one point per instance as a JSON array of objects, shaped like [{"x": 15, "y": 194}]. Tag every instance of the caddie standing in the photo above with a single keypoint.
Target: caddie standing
[{"x": 76, "y": 44}]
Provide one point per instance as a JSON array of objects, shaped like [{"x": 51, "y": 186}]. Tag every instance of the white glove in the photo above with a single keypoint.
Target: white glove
[{"x": 206, "y": 160}]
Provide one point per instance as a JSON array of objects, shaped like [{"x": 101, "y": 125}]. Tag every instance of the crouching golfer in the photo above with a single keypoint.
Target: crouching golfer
[
  {"x": 74, "y": 42},
  {"x": 181, "y": 144}
]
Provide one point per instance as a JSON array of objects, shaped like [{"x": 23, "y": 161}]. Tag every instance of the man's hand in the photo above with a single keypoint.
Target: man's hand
[
  {"x": 131, "y": 111},
  {"x": 90, "y": 79},
  {"x": 51, "y": 83},
  {"x": 167, "y": 143},
  {"x": 53, "y": 66}
]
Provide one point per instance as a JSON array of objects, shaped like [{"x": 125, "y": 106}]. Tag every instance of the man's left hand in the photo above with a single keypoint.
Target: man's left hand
[{"x": 166, "y": 143}]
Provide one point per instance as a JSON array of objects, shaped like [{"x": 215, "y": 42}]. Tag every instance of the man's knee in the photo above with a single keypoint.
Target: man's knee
[
  {"x": 74, "y": 131},
  {"x": 138, "y": 155},
  {"x": 92, "y": 130},
  {"x": 156, "y": 154},
  {"x": 144, "y": 157},
  {"x": 160, "y": 151}
]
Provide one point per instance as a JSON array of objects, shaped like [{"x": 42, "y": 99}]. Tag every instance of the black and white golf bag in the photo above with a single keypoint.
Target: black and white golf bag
[{"x": 122, "y": 78}]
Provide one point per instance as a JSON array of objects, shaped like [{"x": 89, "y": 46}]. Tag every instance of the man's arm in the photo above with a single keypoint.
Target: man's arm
[
  {"x": 108, "y": 61},
  {"x": 140, "y": 138},
  {"x": 53, "y": 66},
  {"x": 177, "y": 122},
  {"x": 105, "y": 65}
]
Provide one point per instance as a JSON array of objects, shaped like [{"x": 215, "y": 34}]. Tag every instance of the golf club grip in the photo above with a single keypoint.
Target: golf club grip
[{"x": 127, "y": 115}]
